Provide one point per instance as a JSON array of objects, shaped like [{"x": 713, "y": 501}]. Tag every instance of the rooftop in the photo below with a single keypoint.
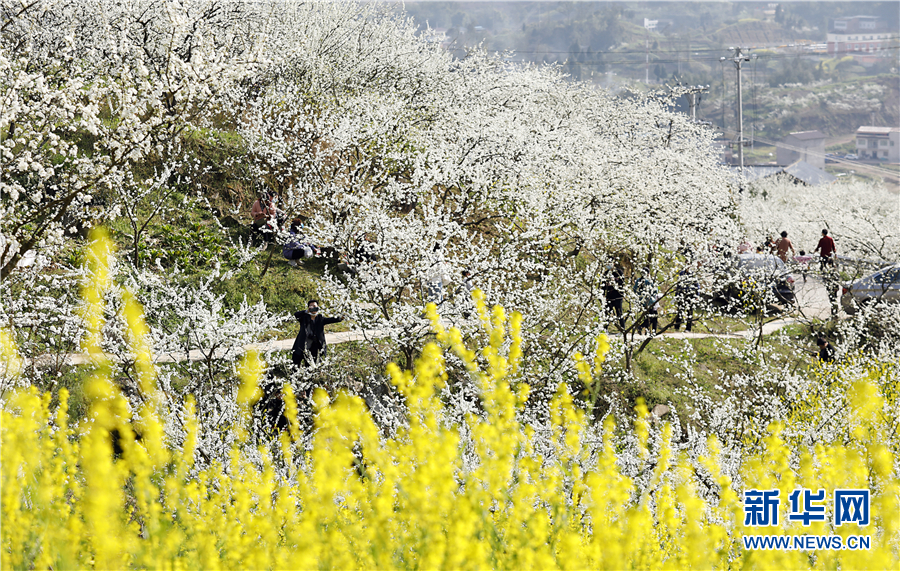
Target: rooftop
[
  {"x": 807, "y": 135},
  {"x": 804, "y": 172},
  {"x": 876, "y": 130}
]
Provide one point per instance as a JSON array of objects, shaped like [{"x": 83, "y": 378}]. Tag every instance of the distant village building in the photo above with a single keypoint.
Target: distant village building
[
  {"x": 806, "y": 146},
  {"x": 438, "y": 36},
  {"x": 864, "y": 37},
  {"x": 798, "y": 173},
  {"x": 878, "y": 144}
]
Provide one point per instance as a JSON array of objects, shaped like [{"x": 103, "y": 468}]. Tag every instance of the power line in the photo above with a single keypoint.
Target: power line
[
  {"x": 697, "y": 50},
  {"x": 710, "y": 59}
]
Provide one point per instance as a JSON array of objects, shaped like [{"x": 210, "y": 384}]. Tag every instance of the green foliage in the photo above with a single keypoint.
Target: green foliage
[
  {"x": 221, "y": 158},
  {"x": 661, "y": 371},
  {"x": 283, "y": 288},
  {"x": 794, "y": 70},
  {"x": 191, "y": 245}
]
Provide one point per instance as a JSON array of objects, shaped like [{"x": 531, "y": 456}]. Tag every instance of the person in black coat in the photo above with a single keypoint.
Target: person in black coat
[
  {"x": 612, "y": 290},
  {"x": 826, "y": 351},
  {"x": 687, "y": 292},
  {"x": 311, "y": 338}
]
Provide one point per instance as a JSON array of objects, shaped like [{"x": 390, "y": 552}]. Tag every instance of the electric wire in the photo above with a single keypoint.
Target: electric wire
[
  {"x": 697, "y": 50},
  {"x": 712, "y": 59}
]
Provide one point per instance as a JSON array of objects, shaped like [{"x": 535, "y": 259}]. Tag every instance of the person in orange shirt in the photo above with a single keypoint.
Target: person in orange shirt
[
  {"x": 782, "y": 245},
  {"x": 263, "y": 209}
]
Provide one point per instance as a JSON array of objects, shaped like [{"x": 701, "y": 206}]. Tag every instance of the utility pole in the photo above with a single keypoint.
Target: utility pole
[
  {"x": 648, "y": 25},
  {"x": 738, "y": 59},
  {"x": 647, "y": 61},
  {"x": 693, "y": 94}
]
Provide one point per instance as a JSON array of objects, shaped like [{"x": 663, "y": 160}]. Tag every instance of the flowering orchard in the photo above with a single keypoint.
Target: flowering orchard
[
  {"x": 858, "y": 216},
  {"x": 410, "y": 166},
  {"x": 404, "y": 162},
  {"x": 387, "y": 146},
  {"x": 497, "y": 487}
]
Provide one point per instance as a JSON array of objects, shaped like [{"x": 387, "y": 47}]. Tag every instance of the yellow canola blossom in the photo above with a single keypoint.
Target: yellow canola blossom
[{"x": 437, "y": 495}]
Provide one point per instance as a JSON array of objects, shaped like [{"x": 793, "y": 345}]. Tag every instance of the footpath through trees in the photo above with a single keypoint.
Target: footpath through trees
[{"x": 812, "y": 302}]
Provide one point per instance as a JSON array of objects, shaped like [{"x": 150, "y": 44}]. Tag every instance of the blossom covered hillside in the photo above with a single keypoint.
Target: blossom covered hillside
[{"x": 381, "y": 141}]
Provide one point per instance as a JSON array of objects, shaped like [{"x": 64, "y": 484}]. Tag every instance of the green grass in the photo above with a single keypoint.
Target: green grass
[
  {"x": 355, "y": 358},
  {"x": 708, "y": 362},
  {"x": 190, "y": 239},
  {"x": 717, "y": 324},
  {"x": 655, "y": 375},
  {"x": 283, "y": 288}
]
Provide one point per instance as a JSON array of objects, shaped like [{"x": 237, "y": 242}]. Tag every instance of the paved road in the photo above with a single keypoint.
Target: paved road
[
  {"x": 812, "y": 298},
  {"x": 198, "y": 355}
]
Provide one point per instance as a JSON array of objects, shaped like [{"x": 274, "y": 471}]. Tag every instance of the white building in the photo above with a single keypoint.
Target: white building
[
  {"x": 859, "y": 36},
  {"x": 806, "y": 146},
  {"x": 878, "y": 144}
]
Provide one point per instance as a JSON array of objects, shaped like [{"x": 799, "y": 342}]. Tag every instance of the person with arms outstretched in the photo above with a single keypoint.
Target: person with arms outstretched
[{"x": 310, "y": 341}]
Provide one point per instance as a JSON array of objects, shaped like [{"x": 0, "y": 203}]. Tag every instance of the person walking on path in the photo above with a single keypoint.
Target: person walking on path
[
  {"x": 310, "y": 341},
  {"x": 648, "y": 294},
  {"x": 782, "y": 245},
  {"x": 826, "y": 249},
  {"x": 613, "y": 291},
  {"x": 686, "y": 292}
]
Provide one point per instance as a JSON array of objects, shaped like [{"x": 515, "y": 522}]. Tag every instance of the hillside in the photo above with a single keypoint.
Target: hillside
[
  {"x": 834, "y": 107},
  {"x": 608, "y": 46}
]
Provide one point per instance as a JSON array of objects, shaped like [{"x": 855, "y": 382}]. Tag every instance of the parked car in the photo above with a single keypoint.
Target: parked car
[
  {"x": 754, "y": 280},
  {"x": 851, "y": 157},
  {"x": 831, "y": 158},
  {"x": 882, "y": 285}
]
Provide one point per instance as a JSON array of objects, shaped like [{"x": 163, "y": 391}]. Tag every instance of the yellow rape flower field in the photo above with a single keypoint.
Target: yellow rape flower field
[{"x": 358, "y": 499}]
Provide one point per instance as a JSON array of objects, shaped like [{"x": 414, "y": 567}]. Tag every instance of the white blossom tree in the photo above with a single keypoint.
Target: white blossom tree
[
  {"x": 409, "y": 165},
  {"x": 93, "y": 94},
  {"x": 527, "y": 181}
]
